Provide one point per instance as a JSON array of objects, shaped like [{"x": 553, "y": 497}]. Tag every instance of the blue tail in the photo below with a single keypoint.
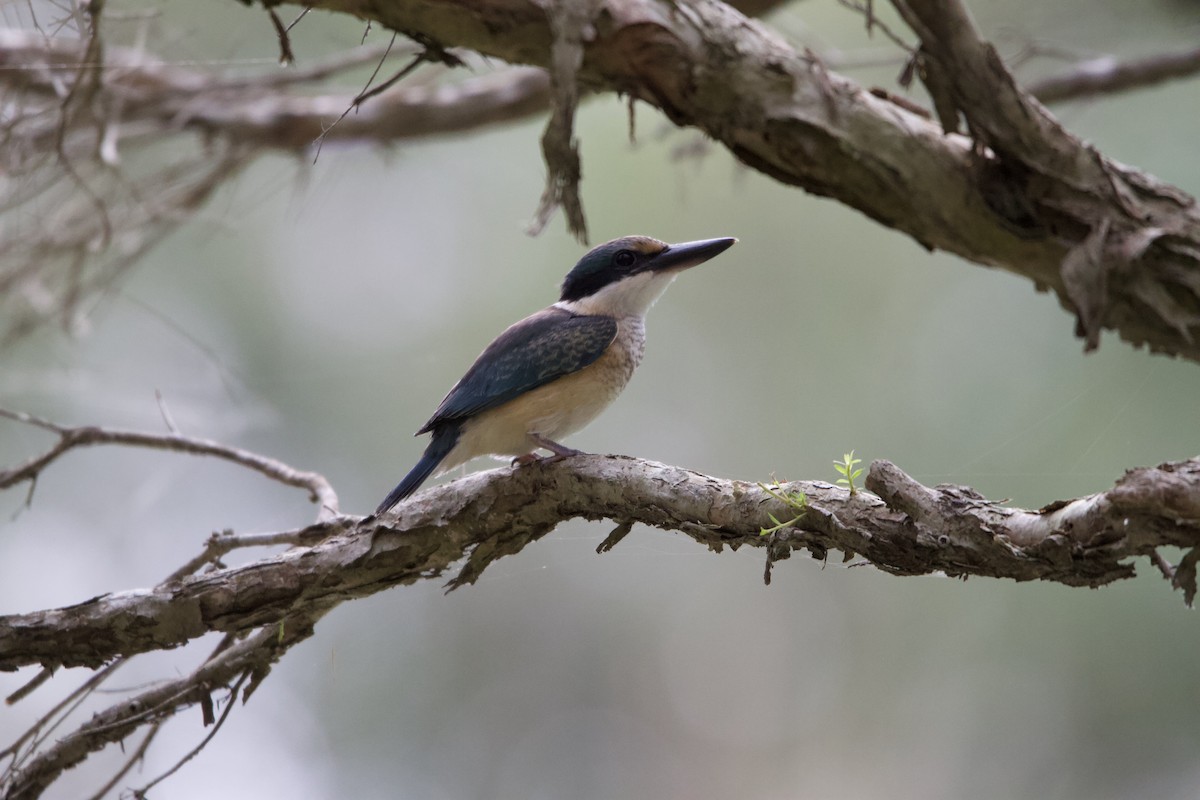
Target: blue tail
[{"x": 444, "y": 439}]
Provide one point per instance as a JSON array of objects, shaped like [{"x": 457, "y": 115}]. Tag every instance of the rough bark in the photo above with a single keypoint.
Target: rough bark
[
  {"x": 902, "y": 528},
  {"x": 1016, "y": 190},
  {"x": 267, "y": 606},
  {"x": 1119, "y": 248}
]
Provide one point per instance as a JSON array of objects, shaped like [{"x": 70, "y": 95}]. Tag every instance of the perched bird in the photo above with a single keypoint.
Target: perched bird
[{"x": 553, "y": 372}]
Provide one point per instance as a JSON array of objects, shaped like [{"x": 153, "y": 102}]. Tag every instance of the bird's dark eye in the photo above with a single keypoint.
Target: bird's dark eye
[{"x": 625, "y": 258}]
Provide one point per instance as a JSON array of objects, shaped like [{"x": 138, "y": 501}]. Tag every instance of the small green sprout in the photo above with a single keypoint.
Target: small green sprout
[
  {"x": 849, "y": 474},
  {"x": 797, "y": 501}
]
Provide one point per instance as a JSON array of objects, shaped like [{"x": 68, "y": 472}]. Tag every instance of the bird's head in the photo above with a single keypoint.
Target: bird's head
[{"x": 625, "y": 276}]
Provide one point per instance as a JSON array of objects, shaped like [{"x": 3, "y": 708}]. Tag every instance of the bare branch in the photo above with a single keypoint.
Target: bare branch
[
  {"x": 1121, "y": 249},
  {"x": 317, "y": 486},
  {"x": 867, "y": 9},
  {"x": 907, "y": 529},
  {"x": 1108, "y": 75},
  {"x": 137, "y": 755},
  {"x": 25, "y": 745},
  {"x": 221, "y": 543},
  {"x": 81, "y": 248},
  {"x": 265, "y": 607},
  {"x": 286, "y": 56},
  {"x": 1020, "y": 193},
  {"x": 252, "y": 656},
  {"x": 230, "y": 702},
  {"x": 998, "y": 112},
  {"x": 30, "y": 687},
  {"x": 1132, "y": 259}
]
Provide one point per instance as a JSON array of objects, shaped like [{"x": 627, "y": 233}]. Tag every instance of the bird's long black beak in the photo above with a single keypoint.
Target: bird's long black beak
[{"x": 689, "y": 254}]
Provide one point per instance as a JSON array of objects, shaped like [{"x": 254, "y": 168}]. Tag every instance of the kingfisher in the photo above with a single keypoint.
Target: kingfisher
[{"x": 553, "y": 372}]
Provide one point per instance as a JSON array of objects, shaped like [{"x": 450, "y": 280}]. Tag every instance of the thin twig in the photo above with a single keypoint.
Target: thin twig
[
  {"x": 302, "y": 15},
  {"x": 219, "y": 544},
  {"x": 62, "y": 709},
  {"x": 319, "y": 489},
  {"x": 229, "y": 704},
  {"x": 84, "y": 88},
  {"x": 363, "y": 94},
  {"x": 30, "y": 686},
  {"x": 873, "y": 22},
  {"x": 1163, "y": 565},
  {"x": 614, "y": 538},
  {"x": 251, "y": 656},
  {"x": 128, "y": 765},
  {"x": 286, "y": 56},
  {"x": 168, "y": 420}
]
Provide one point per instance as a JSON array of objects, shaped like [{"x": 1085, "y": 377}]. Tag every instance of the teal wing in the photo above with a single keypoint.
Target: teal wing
[{"x": 544, "y": 347}]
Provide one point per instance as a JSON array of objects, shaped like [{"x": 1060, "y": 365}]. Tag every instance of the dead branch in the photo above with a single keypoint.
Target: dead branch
[
  {"x": 1110, "y": 75},
  {"x": 251, "y": 657},
  {"x": 1119, "y": 248},
  {"x": 1022, "y": 193},
  {"x": 71, "y": 438},
  {"x": 904, "y": 529},
  {"x": 1131, "y": 262},
  {"x": 265, "y": 607},
  {"x": 75, "y": 249},
  {"x": 1019, "y": 192},
  {"x": 277, "y": 110}
]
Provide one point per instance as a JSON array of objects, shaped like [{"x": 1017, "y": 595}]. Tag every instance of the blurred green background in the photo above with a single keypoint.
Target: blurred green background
[{"x": 318, "y": 314}]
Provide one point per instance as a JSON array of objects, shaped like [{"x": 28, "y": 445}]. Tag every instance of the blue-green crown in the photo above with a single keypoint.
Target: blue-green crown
[{"x": 608, "y": 263}]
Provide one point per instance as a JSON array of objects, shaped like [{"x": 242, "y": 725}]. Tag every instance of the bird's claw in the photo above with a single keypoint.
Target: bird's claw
[{"x": 558, "y": 453}]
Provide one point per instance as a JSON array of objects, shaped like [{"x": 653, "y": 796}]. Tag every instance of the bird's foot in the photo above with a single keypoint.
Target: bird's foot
[
  {"x": 554, "y": 458},
  {"x": 560, "y": 451}
]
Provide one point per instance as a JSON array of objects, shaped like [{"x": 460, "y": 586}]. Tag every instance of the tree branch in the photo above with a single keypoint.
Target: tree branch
[
  {"x": 1118, "y": 247},
  {"x": 273, "y": 110},
  {"x": 907, "y": 529},
  {"x": 1108, "y": 75},
  {"x": 231, "y": 663},
  {"x": 1121, "y": 250},
  {"x": 71, "y": 438},
  {"x": 1132, "y": 259},
  {"x": 265, "y": 607}
]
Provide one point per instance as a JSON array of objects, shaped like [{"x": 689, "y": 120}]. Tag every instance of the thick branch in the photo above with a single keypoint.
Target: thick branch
[
  {"x": 1132, "y": 261},
  {"x": 912, "y": 530},
  {"x": 1023, "y": 205},
  {"x": 278, "y": 110},
  {"x": 1119, "y": 248}
]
